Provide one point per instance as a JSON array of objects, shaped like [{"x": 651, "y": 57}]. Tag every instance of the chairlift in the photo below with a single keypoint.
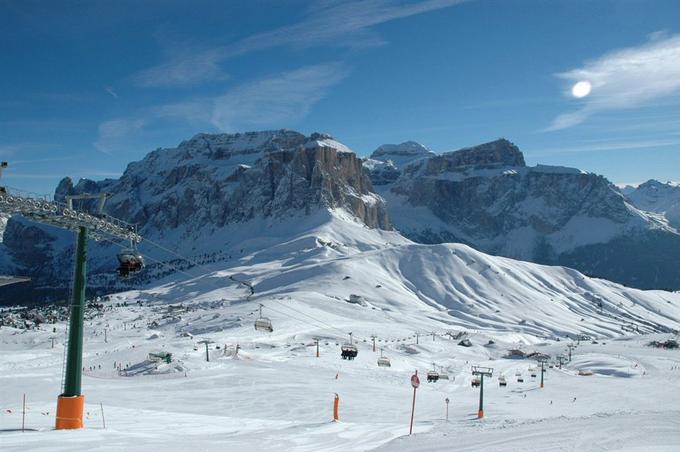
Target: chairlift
[
  {"x": 433, "y": 375},
  {"x": 443, "y": 375},
  {"x": 533, "y": 372},
  {"x": 129, "y": 261},
  {"x": 383, "y": 361},
  {"x": 476, "y": 382},
  {"x": 502, "y": 382},
  {"x": 348, "y": 350},
  {"x": 263, "y": 323},
  {"x": 520, "y": 378}
]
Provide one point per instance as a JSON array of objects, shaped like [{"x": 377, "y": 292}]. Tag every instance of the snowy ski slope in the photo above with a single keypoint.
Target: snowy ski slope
[{"x": 274, "y": 394}]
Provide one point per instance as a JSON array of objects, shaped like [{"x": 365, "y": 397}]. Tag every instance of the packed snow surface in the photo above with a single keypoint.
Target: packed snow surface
[{"x": 268, "y": 391}]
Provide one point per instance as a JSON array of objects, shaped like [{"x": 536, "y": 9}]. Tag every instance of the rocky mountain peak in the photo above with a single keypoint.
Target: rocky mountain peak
[
  {"x": 403, "y": 151},
  {"x": 496, "y": 153}
]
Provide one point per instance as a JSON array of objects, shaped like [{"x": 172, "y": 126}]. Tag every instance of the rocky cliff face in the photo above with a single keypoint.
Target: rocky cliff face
[
  {"x": 487, "y": 197},
  {"x": 223, "y": 179},
  {"x": 194, "y": 192}
]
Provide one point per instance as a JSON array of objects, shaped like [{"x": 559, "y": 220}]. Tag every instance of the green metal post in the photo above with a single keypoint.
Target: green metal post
[
  {"x": 481, "y": 396},
  {"x": 74, "y": 354},
  {"x": 542, "y": 372}
]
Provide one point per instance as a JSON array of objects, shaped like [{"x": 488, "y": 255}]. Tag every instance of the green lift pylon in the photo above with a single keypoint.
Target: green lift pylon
[
  {"x": 74, "y": 355},
  {"x": 71, "y": 402},
  {"x": 481, "y": 372},
  {"x": 97, "y": 226}
]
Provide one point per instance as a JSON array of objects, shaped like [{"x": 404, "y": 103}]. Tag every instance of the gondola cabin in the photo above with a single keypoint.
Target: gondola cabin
[
  {"x": 348, "y": 351},
  {"x": 263, "y": 323},
  {"x": 129, "y": 261},
  {"x": 384, "y": 362}
]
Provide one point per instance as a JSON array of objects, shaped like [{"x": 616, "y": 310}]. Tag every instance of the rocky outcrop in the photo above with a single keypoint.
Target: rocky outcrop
[
  {"x": 495, "y": 154},
  {"x": 486, "y": 196},
  {"x": 223, "y": 179}
]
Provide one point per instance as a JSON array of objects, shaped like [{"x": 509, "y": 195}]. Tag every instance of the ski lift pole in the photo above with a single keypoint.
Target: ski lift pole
[
  {"x": 70, "y": 402},
  {"x": 447, "y": 409},
  {"x": 481, "y": 372},
  {"x": 480, "y": 413},
  {"x": 542, "y": 371}
]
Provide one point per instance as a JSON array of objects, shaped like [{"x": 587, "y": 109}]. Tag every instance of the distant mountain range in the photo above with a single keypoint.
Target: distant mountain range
[
  {"x": 214, "y": 197},
  {"x": 485, "y": 196},
  {"x": 654, "y": 196}
]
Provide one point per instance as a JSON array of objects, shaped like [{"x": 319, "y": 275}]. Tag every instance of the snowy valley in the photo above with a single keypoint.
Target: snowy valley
[{"x": 328, "y": 244}]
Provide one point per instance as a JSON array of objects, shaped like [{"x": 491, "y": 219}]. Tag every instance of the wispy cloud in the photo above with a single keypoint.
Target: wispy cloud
[
  {"x": 111, "y": 91},
  {"x": 276, "y": 100},
  {"x": 626, "y": 78},
  {"x": 111, "y": 133},
  {"x": 336, "y": 23},
  {"x": 184, "y": 70},
  {"x": 613, "y": 145}
]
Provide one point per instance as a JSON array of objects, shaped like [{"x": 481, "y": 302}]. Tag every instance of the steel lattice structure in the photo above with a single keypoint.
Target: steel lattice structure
[{"x": 100, "y": 226}]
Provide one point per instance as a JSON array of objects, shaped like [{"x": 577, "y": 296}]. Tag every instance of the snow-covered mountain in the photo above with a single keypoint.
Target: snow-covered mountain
[
  {"x": 386, "y": 162},
  {"x": 220, "y": 198},
  {"x": 486, "y": 196},
  {"x": 655, "y": 196},
  {"x": 297, "y": 218},
  {"x": 199, "y": 197}
]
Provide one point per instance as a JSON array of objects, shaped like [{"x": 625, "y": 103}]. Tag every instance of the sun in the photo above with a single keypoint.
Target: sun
[{"x": 581, "y": 89}]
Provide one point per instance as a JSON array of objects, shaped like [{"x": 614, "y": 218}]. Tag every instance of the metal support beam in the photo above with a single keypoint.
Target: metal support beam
[{"x": 74, "y": 354}]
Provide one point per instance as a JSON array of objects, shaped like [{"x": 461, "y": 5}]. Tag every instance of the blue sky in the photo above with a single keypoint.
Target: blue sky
[{"x": 86, "y": 87}]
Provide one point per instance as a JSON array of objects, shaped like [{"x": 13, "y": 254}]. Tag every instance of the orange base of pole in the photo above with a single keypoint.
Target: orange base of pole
[
  {"x": 336, "y": 403},
  {"x": 70, "y": 412},
  {"x": 480, "y": 414}
]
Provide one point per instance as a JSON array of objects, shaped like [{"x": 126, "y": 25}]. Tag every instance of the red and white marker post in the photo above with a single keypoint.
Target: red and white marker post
[{"x": 415, "y": 382}]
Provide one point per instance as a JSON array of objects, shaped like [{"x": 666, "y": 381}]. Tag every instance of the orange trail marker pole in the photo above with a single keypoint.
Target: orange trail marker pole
[
  {"x": 336, "y": 406},
  {"x": 23, "y": 415}
]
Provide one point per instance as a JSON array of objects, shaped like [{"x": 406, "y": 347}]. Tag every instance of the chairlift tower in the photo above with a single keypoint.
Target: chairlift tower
[
  {"x": 542, "y": 361},
  {"x": 207, "y": 351},
  {"x": 481, "y": 372},
  {"x": 99, "y": 226}
]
